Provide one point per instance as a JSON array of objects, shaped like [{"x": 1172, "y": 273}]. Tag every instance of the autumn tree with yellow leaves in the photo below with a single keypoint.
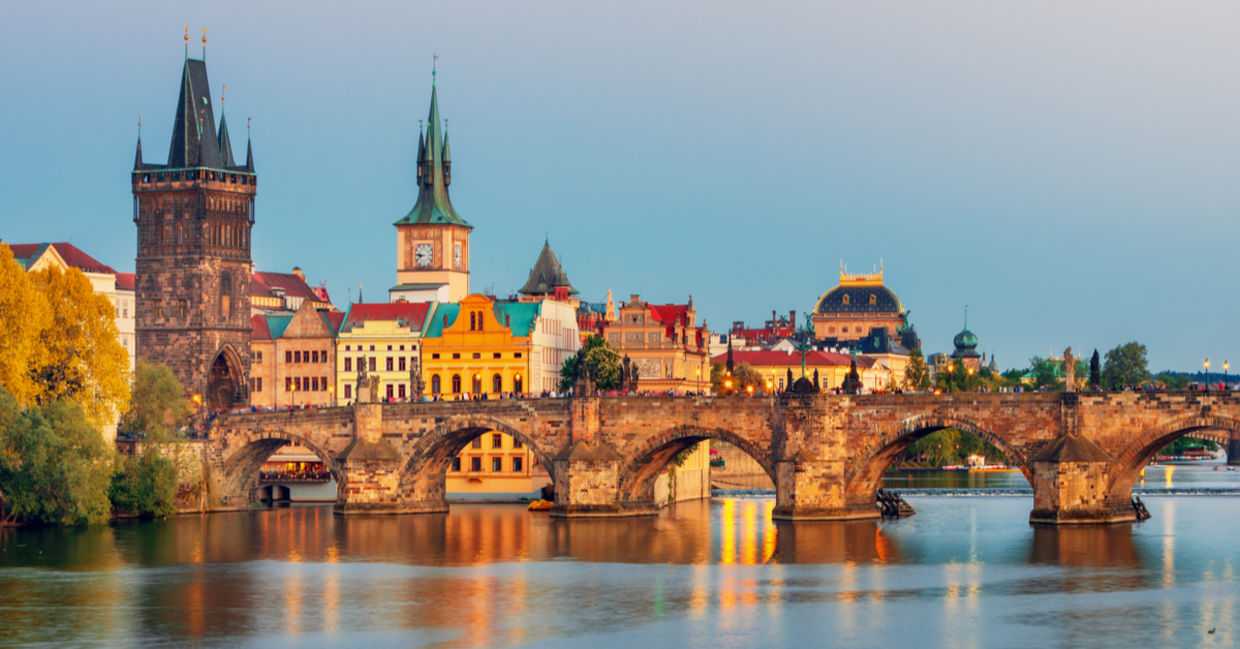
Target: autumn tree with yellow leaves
[{"x": 60, "y": 341}]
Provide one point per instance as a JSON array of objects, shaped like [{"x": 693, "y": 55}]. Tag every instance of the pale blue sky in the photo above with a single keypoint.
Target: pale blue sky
[{"x": 1067, "y": 169}]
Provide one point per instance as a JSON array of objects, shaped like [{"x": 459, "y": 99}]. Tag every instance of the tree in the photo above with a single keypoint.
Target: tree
[
  {"x": 82, "y": 359},
  {"x": 746, "y": 376},
  {"x": 1095, "y": 372},
  {"x": 1046, "y": 373},
  {"x": 23, "y": 317},
  {"x": 1125, "y": 365},
  {"x": 604, "y": 360},
  {"x": 916, "y": 375},
  {"x": 54, "y": 465},
  {"x": 144, "y": 486},
  {"x": 157, "y": 405}
]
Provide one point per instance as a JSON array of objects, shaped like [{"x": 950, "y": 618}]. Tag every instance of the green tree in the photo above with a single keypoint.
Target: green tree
[
  {"x": 1047, "y": 374},
  {"x": 54, "y": 465},
  {"x": 144, "y": 486},
  {"x": 157, "y": 404},
  {"x": 1125, "y": 365},
  {"x": 916, "y": 375},
  {"x": 1095, "y": 371},
  {"x": 603, "y": 358},
  {"x": 1173, "y": 380}
]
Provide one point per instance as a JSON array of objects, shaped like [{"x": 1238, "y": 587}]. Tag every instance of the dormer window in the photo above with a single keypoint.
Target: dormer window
[
  {"x": 873, "y": 299},
  {"x": 845, "y": 301}
]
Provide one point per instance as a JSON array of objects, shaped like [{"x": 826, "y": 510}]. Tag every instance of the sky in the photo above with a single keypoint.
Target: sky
[{"x": 1067, "y": 170}]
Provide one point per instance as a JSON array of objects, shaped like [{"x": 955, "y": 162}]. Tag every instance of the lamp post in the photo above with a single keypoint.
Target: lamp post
[
  {"x": 969, "y": 384},
  {"x": 1226, "y": 365},
  {"x": 1205, "y": 385},
  {"x": 951, "y": 369}
]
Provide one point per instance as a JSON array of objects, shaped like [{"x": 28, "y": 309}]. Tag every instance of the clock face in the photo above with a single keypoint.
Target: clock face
[
  {"x": 422, "y": 254},
  {"x": 456, "y": 255}
]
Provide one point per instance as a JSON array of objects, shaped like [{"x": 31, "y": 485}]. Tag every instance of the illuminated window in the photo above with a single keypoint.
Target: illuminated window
[
  {"x": 845, "y": 300},
  {"x": 497, "y": 464}
]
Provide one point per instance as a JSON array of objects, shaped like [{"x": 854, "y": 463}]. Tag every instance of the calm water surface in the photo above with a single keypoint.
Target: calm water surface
[{"x": 966, "y": 571}]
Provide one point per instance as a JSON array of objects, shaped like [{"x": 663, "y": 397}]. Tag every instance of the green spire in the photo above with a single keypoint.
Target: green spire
[{"x": 433, "y": 204}]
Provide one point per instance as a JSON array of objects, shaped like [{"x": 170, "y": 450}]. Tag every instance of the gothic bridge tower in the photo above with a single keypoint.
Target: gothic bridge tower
[
  {"x": 432, "y": 240},
  {"x": 194, "y": 216}
]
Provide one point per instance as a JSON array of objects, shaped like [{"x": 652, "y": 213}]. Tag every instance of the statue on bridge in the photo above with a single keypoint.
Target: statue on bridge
[
  {"x": 417, "y": 387},
  {"x": 628, "y": 375},
  {"x": 1069, "y": 370}
]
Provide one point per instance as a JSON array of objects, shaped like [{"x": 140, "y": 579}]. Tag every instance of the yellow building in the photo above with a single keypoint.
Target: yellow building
[
  {"x": 385, "y": 339},
  {"x": 479, "y": 347},
  {"x": 496, "y": 465},
  {"x": 859, "y": 304},
  {"x": 670, "y": 351}
]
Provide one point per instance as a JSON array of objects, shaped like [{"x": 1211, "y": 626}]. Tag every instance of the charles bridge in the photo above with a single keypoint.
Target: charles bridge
[{"x": 826, "y": 454}]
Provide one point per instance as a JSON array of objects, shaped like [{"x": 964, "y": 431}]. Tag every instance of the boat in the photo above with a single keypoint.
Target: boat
[{"x": 540, "y": 505}]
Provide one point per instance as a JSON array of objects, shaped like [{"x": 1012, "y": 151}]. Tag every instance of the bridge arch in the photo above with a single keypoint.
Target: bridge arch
[
  {"x": 1133, "y": 458},
  {"x": 239, "y": 479},
  {"x": 865, "y": 473},
  {"x": 424, "y": 474},
  {"x": 638, "y": 473}
]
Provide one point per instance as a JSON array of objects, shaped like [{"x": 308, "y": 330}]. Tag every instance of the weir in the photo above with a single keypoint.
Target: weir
[{"x": 826, "y": 454}]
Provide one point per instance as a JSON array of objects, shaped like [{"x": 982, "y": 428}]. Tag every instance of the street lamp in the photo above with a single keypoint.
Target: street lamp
[
  {"x": 1226, "y": 365},
  {"x": 1205, "y": 385},
  {"x": 969, "y": 385},
  {"x": 951, "y": 369}
]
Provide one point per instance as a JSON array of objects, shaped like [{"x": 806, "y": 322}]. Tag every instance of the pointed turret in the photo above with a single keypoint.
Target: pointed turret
[
  {"x": 421, "y": 154},
  {"x": 194, "y": 117},
  {"x": 249, "y": 156},
  {"x": 137, "y": 157},
  {"x": 547, "y": 275},
  {"x": 447, "y": 161},
  {"x": 225, "y": 144},
  {"x": 433, "y": 204}
]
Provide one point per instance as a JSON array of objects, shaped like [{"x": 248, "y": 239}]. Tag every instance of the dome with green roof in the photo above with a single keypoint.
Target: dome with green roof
[{"x": 965, "y": 341}]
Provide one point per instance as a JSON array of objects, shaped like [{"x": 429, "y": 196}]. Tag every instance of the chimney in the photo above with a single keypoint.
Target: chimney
[{"x": 298, "y": 274}]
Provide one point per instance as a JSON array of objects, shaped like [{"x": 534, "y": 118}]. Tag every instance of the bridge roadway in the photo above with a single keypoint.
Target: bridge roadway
[{"x": 825, "y": 453}]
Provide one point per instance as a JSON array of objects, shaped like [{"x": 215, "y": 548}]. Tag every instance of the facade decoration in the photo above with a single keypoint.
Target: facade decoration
[{"x": 671, "y": 352}]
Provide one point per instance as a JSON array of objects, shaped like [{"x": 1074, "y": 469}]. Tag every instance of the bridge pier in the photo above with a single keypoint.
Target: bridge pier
[
  {"x": 1233, "y": 452},
  {"x": 587, "y": 483},
  {"x": 813, "y": 490},
  {"x": 1072, "y": 481}
]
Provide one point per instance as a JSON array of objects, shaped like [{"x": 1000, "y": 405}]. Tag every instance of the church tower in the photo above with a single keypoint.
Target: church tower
[
  {"x": 432, "y": 240},
  {"x": 194, "y": 216}
]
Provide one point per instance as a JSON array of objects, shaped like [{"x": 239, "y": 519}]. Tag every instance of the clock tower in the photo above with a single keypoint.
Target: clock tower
[{"x": 432, "y": 240}]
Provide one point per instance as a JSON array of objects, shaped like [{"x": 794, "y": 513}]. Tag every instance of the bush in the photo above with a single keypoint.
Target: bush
[{"x": 144, "y": 486}]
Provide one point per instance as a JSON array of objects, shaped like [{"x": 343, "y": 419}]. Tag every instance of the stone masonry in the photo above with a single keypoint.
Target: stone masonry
[{"x": 825, "y": 453}]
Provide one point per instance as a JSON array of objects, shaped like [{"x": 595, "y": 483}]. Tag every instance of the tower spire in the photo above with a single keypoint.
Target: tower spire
[
  {"x": 204, "y": 44},
  {"x": 186, "y": 41},
  {"x": 137, "y": 160},
  {"x": 433, "y": 204}
]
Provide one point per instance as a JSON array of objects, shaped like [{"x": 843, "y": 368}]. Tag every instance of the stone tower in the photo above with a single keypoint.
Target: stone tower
[
  {"x": 194, "y": 216},
  {"x": 432, "y": 240}
]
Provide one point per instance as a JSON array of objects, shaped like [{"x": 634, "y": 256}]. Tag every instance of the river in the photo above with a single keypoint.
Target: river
[{"x": 966, "y": 571}]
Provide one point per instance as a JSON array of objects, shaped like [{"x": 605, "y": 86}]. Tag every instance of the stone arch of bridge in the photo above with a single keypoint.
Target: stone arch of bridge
[
  {"x": 864, "y": 474},
  {"x": 241, "y": 467},
  {"x": 1141, "y": 450},
  {"x": 638, "y": 473},
  {"x": 429, "y": 459}
]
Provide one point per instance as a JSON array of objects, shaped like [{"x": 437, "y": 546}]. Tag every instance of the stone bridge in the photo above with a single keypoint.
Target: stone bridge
[{"x": 825, "y": 453}]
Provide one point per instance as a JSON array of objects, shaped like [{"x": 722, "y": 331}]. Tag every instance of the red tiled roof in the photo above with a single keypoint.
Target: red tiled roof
[
  {"x": 411, "y": 314},
  {"x": 670, "y": 314},
  {"x": 67, "y": 251},
  {"x": 125, "y": 281},
  {"x": 261, "y": 283},
  {"x": 334, "y": 320},
  {"x": 258, "y": 328},
  {"x": 812, "y": 359}
]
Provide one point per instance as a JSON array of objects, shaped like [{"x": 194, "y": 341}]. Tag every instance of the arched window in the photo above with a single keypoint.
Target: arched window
[
  {"x": 435, "y": 384},
  {"x": 473, "y": 321},
  {"x": 517, "y": 385},
  {"x": 456, "y": 383},
  {"x": 497, "y": 383},
  {"x": 477, "y": 384}
]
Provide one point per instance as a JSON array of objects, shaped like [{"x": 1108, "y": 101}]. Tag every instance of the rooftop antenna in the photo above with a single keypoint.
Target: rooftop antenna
[
  {"x": 204, "y": 44},
  {"x": 186, "y": 41},
  {"x": 247, "y": 128},
  {"x": 139, "y": 127},
  {"x": 222, "y": 99}
]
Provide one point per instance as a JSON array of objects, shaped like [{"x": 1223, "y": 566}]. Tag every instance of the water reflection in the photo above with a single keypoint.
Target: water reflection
[{"x": 969, "y": 570}]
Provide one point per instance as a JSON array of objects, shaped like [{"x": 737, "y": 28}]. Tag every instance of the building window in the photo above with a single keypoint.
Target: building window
[
  {"x": 497, "y": 383},
  {"x": 456, "y": 383},
  {"x": 517, "y": 386},
  {"x": 476, "y": 443},
  {"x": 402, "y": 348},
  {"x": 496, "y": 355},
  {"x": 477, "y": 355},
  {"x": 348, "y": 364},
  {"x": 258, "y": 357},
  {"x": 314, "y": 384},
  {"x": 372, "y": 348},
  {"x": 516, "y": 443},
  {"x": 401, "y": 392},
  {"x": 388, "y": 364},
  {"x": 288, "y": 384},
  {"x": 475, "y": 464},
  {"x": 401, "y": 364},
  {"x": 435, "y": 357},
  {"x": 296, "y": 357},
  {"x": 845, "y": 300},
  {"x": 435, "y": 384},
  {"x": 455, "y": 355},
  {"x": 497, "y": 440},
  {"x": 288, "y": 356},
  {"x": 517, "y": 355},
  {"x": 456, "y": 463},
  {"x": 346, "y": 348},
  {"x": 348, "y": 390},
  {"x": 476, "y": 384},
  {"x": 497, "y": 464},
  {"x": 873, "y": 299},
  {"x": 518, "y": 465},
  {"x": 372, "y": 363},
  {"x": 473, "y": 321},
  {"x": 258, "y": 383},
  {"x": 389, "y": 392},
  {"x": 389, "y": 348}
]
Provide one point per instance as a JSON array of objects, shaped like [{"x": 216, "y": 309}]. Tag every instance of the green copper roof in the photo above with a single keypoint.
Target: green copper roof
[
  {"x": 276, "y": 324},
  {"x": 445, "y": 315},
  {"x": 519, "y": 316},
  {"x": 433, "y": 205}
]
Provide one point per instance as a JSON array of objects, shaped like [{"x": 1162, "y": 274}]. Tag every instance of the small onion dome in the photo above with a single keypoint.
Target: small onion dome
[{"x": 965, "y": 342}]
